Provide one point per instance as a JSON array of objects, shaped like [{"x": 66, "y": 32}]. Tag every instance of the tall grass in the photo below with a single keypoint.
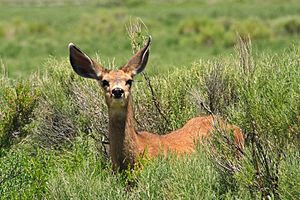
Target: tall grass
[
  {"x": 29, "y": 34},
  {"x": 63, "y": 154},
  {"x": 53, "y": 130}
]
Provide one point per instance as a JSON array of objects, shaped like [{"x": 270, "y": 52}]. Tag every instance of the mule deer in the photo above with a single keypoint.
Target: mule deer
[{"x": 126, "y": 144}]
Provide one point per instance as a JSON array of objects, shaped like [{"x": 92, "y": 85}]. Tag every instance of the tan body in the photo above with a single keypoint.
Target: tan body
[
  {"x": 127, "y": 145},
  {"x": 183, "y": 140}
]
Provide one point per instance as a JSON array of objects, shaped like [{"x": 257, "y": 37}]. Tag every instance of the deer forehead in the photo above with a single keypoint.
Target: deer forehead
[{"x": 116, "y": 76}]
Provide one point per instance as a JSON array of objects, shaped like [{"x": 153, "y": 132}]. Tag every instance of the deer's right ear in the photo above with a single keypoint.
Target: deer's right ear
[
  {"x": 84, "y": 65},
  {"x": 139, "y": 61}
]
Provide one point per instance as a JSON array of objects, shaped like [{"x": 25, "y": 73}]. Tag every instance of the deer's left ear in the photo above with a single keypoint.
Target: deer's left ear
[{"x": 138, "y": 62}]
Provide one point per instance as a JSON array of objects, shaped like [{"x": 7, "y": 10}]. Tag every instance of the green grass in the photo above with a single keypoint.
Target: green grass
[
  {"x": 61, "y": 155},
  {"x": 158, "y": 180},
  {"x": 52, "y": 123},
  {"x": 30, "y": 34}
]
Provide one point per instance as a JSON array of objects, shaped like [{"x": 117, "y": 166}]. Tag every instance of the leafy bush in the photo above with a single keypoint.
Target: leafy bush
[
  {"x": 176, "y": 178},
  {"x": 289, "y": 25},
  {"x": 289, "y": 174},
  {"x": 18, "y": 104},
  {"x": 216, "y": 87},
  {"x": 100, "y": 23},
  {"x": 38, "y": 28},
  {"x": 255, "y": 28},
  {"x": 28, "y": 172},
  {"x": 223, "y": 31},
  {"x": 205, "y": 31},
  {"x": 260, "y": 94},
  {"x": 61, "y": 111},
  {"x": 23, "y": 174},
  {"x": 268, "y": 90},
  {"x": 68, "y": 106},
  {"x": 162, "y": 178},
  {"x": 157, "y": 111},
  {"x": 83, "y": 175}
]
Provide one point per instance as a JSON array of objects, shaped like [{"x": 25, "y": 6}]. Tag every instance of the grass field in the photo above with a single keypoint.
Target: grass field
[
  {"x": 187, "y": 31},
  {"x": 52, "y": 122}
]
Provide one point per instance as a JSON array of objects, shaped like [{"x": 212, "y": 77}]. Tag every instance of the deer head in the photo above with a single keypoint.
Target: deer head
[{"x": 116, "y": 84}]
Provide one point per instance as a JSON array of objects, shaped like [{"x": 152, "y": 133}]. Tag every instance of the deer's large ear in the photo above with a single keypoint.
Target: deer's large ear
[
  {"x": 84, "y": 65},
  {"x": 139, "y": 61}
]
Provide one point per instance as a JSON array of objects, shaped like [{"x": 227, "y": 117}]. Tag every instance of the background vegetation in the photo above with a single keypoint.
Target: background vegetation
[
  {"x": 31, "y": 31},
  {"x": 53, "y": 124}
]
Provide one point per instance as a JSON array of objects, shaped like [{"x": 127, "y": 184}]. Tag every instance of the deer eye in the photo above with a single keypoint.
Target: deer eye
[
  {"x": 105, "y": 83},
  {"x": 129, "y": 82}
]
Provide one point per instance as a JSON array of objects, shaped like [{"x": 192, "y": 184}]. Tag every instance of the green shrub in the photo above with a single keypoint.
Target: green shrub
[
  {"x": 169, "y": 178},
  {"x": 216, "y": 87},
  {"x": 81, "y": 174},
  {"x": 28, "y": 172},
  {"x": 192, "y": 177},
  {"x": 289, "y": 175},
  {"x": 255, "y": 28},
  {"x": 68, "y": 106},
  {"x": 223, "y": 31},
  {"x": 2, "y": 30},
  {"x": 23, "y": 174},
  {"x": 268, "y": 92},
  {"x": 18, "y": 103},
  {"x": 289, "y": 25},
  {"x": 258, "y": 92},
  {"x": 101, "y": 23},
  {"x": 38, "y": 28},
  {"x": 205, "y": 31},
  {"x": 158, "y": 111}
]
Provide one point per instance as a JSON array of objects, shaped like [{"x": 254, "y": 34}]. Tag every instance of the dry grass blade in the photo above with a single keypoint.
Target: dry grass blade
[
  {"x": 244, "y": 50},
  {"x": 137, "y": 32}
]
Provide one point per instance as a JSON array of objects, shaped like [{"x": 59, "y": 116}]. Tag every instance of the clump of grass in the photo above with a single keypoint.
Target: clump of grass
[
  {"x": 223, "y": 31},
  {"x": 193, "y": 177},
  {"x": 289, "y": 25},
  {"x": 289, "y": 173},
  {"x": 69, "y": 106},
  {"x": 258, "y": 93},
  {"x": 18, "y": 103},
  {"x": 255, "y": 28},
  {"x": 205, "y": 31},
  {"x": 216, "y": 87},
  {"x": 24, "y": 174},
  {"x": 262, "y": 95},
  {"x": 84, "y": 175},
  {"x": 269, "y": 108}
]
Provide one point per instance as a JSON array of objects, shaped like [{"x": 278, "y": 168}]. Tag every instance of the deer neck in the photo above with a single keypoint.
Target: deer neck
[{"x": 122, "y": 137}]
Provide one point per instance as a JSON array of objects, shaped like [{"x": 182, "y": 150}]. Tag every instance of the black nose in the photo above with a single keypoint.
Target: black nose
[{"x": 117, "y": 93}]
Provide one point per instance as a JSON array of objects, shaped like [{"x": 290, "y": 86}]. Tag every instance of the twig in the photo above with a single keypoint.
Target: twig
[
  {"x": 136, "y": 31},
  {"x": 225, "y": 164},
  {"x": 154, "y": 99}
]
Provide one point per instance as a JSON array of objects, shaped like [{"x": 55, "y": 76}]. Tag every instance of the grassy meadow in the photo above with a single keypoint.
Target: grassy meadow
[
  {"x": 53, "y": 124},
  {"x": 29, "y": 35}
]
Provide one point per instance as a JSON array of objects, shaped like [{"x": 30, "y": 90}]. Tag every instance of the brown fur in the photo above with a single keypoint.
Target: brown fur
[{"x": 126, "y": 145}]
